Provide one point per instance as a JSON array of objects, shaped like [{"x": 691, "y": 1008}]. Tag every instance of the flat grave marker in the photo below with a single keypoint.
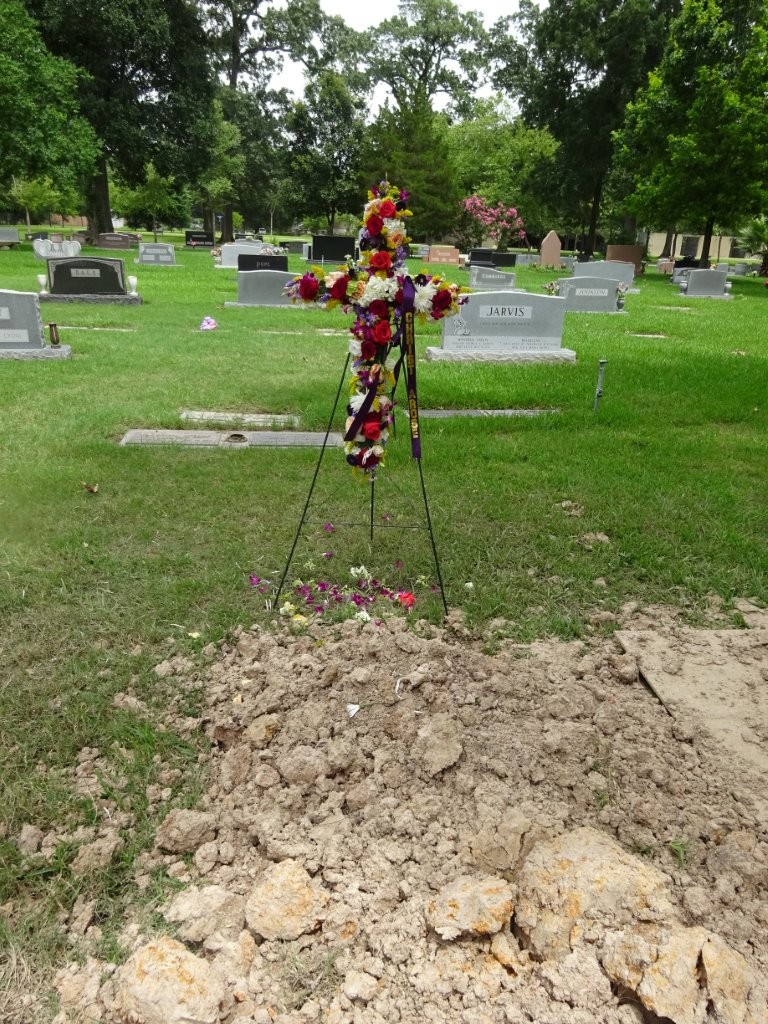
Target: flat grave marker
[{"x": 517, "y": 327}]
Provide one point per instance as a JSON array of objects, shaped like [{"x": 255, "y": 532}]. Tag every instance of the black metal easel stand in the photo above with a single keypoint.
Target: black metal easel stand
[{"x": 305, "y": 522}]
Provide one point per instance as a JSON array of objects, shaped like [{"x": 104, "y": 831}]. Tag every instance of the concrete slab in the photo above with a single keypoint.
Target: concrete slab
[
  {"x": 230, "y": 438},
  {"x": 49, "y": 352},
  {"x": 444, "y": 414},
  {"x": 246, "y": 419}
]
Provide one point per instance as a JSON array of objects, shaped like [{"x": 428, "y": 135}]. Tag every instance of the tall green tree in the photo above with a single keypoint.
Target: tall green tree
[
  {"x": 326, "y": 130},
  {"x": 697, "y": 133},
  {"x": 43, "y": 130},
  {"x": 409, "y": 148},
  {"x": 429, "y": 49},
  {"x": 148, "y": 87},
  {"x": 574, "y": 69}
]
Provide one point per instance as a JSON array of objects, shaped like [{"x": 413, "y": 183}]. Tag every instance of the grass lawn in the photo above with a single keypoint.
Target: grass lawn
[{"x": 96, "y": 588}]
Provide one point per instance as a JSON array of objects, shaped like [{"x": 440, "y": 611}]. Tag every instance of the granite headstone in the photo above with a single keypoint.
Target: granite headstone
[
  {"x": 590, "y": 294},
  {"x": 262, "y": 288},
  {"x": 488, "y": 279},
  {"x": 156, "y": 254}
]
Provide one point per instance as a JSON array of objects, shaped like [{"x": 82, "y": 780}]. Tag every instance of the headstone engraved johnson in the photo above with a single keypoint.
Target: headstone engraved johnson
[
  {"x": 515, "y": 327},
  {"x": 262, "y": 288},
  {"x": 590, "y": 294}
]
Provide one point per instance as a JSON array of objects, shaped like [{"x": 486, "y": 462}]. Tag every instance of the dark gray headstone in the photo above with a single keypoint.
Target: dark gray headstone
[
  {"x": 505, "y": 327},
  {"x": 20, "y": 323},
  {"x": 481, "y": 257},
  {"x": 86, "y": 276},
  {"x": 294, "y": 246},
  {"x": 114, "y": 240},
  {"x": 158, "y": 254},
  {"x": 198, "y": 239},
  {"x": 261, "y": 261},
  {"x": 334, "y": 248},
  {"x": 262, "y": 288}
]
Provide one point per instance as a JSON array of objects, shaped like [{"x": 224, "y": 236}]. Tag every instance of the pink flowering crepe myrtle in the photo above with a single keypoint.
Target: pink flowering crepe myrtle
[{"x": 495, "y": 219}]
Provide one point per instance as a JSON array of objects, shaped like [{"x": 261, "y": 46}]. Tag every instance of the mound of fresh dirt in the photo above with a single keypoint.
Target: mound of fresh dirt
[{"x": 403, "y": 828}]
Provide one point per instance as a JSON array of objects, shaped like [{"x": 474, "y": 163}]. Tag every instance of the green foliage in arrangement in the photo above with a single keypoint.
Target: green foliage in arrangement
[{"x": 543, "y": 523}]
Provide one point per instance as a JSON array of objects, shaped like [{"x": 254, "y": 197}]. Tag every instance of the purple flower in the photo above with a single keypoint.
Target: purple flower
[
  {"x": 255, "y": 580},
  {"x": 327, "y": 554},
  {"x": 329, "y": 528}
]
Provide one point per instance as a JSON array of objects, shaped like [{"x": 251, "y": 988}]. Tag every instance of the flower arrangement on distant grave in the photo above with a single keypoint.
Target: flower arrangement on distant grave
[
  {"x": 378, "y": 291},
  {"x": 552, "y": 287}
]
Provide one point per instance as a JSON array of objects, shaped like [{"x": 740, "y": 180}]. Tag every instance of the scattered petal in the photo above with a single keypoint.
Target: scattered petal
[{"x": 352, "y": 709}]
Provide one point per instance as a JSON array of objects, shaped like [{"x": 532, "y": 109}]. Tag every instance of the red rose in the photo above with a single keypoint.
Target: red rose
[
  {"x": 374, "y": 224},
  {"x": 382, "y": 332},
  {"x": 339, "y": 288},
  {"x": 441, "y": 301},
  {"x": 381, "y": 261},
  {"x": 368, "y": 349},
  {"x": 372, "y": 427},
  {"x": 309, "y": 286},
  {"x": 379, "y": 308},
  {"x": 388, "y": 209},
  {"x": 399, "y": 297}
]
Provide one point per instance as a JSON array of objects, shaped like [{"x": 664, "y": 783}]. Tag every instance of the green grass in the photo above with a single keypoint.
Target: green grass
[{"x": 672, "y": 470}]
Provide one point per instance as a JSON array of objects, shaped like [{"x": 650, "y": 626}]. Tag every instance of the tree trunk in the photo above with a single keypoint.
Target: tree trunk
[
  {"x": 667, "y": 251},
  {"x": 209, "y": 220},
  {"x": 227, "y": 231},
  {"x": 589, "y": 248},
  {"x": 705, "y": 245},
  {"x": 99, "y": 212},
  {"x": 763, "y": 271}
]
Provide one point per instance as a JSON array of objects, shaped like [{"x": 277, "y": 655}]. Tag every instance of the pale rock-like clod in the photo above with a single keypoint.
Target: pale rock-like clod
[
  {"x": 577, "y": 980},
  {"x": 163, "y": 983},
  {"x": 438, "y": 744},
  {"x": 470, "y": 906},
  {"x": 285, "y": 902},
  {"x": 29, "y": 839},
  {"x": 359, "y": 985},
  {"x": 201, "y": 912},
  {"x": 96, "y": 856},
  {"x": 183, "y": 831},
  {"x": 583, "y": 883}
]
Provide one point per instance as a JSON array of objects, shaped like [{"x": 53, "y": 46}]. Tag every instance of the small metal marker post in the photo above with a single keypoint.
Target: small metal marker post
[
  {"x": 53, "y": 330},
  {"x": 599, "y": 388}
]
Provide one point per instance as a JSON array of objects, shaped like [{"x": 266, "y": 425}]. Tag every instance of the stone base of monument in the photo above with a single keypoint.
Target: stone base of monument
[
  {"x": 560, "y": 355},
  {"x": 115, "y": 300},
  {"x": 49, "y": 352}
]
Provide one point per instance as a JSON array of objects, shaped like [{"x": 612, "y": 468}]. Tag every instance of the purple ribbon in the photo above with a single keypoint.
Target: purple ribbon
[{"x": 409, "y": 346}]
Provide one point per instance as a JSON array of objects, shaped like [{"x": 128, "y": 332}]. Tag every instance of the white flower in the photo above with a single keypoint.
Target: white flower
[
  {"x": 363, "y": 615},
  {"x": 424, "y": 295},
  {"x": 359, "y": 572},
  {"x": 356, "y": 401},
  {"x": 355, "y": 348},
  {"x": 288, "y": 609},
  {"x": 469, "y": 586}
]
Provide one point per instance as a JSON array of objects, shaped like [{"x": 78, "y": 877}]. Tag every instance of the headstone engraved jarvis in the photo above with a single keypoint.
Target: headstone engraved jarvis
[
  {"x": 21, "y": 329},
  {"x": 590, "y": 295},
  {"x": 505, "y": 327},
  {"x": 262, "y": 288},
  {"x": 487, "y": 278},
  {"x": 157, "y": 254}
]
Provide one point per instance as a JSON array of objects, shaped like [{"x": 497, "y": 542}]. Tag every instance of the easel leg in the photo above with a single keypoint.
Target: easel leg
[
  {"x": 314, "y": 480},
  {"x": 432, "y": 537}
]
